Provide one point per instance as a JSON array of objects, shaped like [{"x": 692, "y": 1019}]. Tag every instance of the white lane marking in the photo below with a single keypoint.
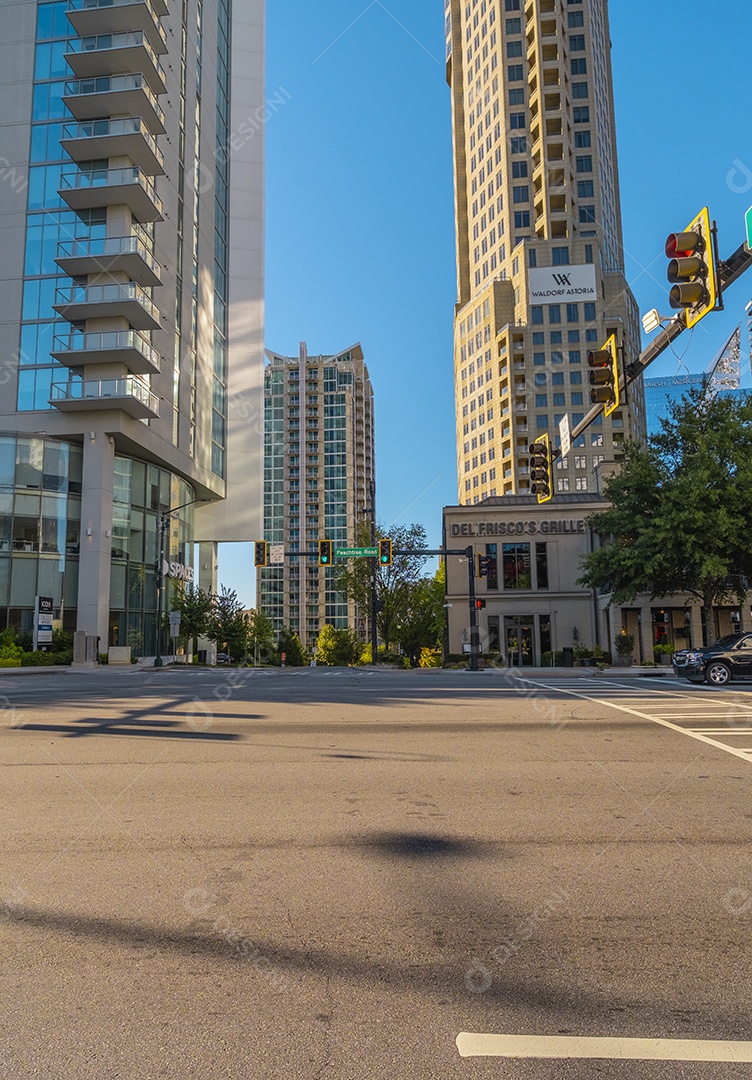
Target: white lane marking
[
  {"x": 735, "y": 752},
  {"x": 472, "y": 1044}
]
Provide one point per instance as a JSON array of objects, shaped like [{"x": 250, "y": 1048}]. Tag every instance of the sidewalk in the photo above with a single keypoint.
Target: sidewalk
[{"x": 572, "y": 673}]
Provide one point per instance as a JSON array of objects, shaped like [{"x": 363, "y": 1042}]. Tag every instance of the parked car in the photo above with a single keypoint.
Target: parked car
[
  {"x": 728, "y": 658},
  {"x": 224, "y": 658}
]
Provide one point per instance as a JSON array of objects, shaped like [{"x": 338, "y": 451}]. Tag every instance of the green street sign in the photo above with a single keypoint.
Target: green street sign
[
  {"x": 356, "y": 553},
  {"x": 748, "y": 223}
]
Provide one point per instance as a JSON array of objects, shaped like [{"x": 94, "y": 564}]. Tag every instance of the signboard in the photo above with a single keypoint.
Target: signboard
[
  {"x": 175, "y": 624},
  {"x": 44, "y": 607},
  {"x": 356, "y": 553},
  {"x": 565, "y": 437},
  {"x": 178, "y": 571},
  {"x": 276, "y": 554},
  {"x": 562, "y": 284},
  {"x": 748, "y": 225}
]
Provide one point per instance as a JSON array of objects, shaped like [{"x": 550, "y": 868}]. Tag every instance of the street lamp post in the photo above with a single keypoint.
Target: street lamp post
[{"x": 163, "y": 523}]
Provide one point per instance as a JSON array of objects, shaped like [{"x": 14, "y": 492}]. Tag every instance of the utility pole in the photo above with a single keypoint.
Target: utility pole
[{"x": 374, "y": 563}]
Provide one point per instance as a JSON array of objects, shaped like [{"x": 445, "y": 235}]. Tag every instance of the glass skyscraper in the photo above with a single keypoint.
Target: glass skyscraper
[{"x": 126, "y": 386}]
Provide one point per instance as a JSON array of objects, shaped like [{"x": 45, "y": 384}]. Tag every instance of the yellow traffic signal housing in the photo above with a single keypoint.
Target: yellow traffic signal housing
[
  {"x": 541, "y": 483},
  {"x": 692, "y": 270},
  {"x": 385, "y": 552},
  {"x": 604, "y": 376},
  {"x": 260, "y": 553},
  {"x": 326, "y": 552}
]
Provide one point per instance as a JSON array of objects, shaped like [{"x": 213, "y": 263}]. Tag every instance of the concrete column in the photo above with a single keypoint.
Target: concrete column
[
  {"x": 695, "y": 626},
  {"x": 745, "y": 618},
  {"x": 208, "y": 573},
  {"x": 96, "y": 536},
  {"x": 646, "y": 654}
]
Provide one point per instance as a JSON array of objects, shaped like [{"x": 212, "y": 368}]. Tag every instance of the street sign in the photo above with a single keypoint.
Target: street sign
[
  {"x": 748, "y": 223},
  {"x": 43, "y": 612},
  {"x": 356, "y": 553},
  {"x": 564, "y": 435},
  {"x": 276, "y": 554}
]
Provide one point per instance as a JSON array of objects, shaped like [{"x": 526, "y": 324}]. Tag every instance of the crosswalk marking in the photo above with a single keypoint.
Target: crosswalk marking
[
  {"x": 473, "y": 1044},
  {"x": 693, "y": 707}
]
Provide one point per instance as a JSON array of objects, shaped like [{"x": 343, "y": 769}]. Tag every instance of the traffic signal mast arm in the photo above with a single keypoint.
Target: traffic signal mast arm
[{"x": 728, "y": 272}]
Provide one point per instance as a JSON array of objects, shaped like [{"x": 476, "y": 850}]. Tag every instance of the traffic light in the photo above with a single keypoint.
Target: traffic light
[
  {"x": 692, "y": 269},
  {"x": 604, "y": 376},
  {"x": 540, "y": 469},
  {"x": 325, "y": 553},
  {"x": 261, "y": 553},
  {"x": 483, "y": 561},
  {"x": 385, "y": 552},
  {"x": 480, "y": 604}
]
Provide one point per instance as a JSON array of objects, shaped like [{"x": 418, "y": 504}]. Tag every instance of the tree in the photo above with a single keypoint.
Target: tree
[
  {"x": 289, "y": 643},
  {"x": 227, "y": 624},
  {"x": 195, "y": 607},
  {"x": 393, "y": 583},
  {"x": 680, "y": 509},
  {"x": 260, "y": 634},
  {"x": 337, "y": 647},
  {"x": 420, "y": 624}
]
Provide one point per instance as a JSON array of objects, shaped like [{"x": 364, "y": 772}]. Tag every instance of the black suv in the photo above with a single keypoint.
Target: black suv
[{"x": 729, "y": 658}]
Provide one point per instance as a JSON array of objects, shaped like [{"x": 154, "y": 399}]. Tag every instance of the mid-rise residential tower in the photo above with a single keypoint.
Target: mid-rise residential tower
[{"x": 319, "y": 474}]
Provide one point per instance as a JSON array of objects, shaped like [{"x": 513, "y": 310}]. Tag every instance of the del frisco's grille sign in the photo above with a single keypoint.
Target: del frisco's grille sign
[
  {"x": 517, "y": 528},
  {"x": 562, "y": 284}
]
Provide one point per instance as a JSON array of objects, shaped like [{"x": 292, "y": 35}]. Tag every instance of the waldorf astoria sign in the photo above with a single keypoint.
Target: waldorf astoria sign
[
  {"x": 518, "y": 528},
  {"x": 562, "y": 284}
]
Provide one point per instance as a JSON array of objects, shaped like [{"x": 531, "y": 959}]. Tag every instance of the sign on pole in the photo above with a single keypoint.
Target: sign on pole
[
  {"x": 44, "y": 607},
  {"x": 748, "y": 224},
  {"x": 276, "y": 554},
  {"x": 356, "y": 553},
  {"x": 565, "y": 436}
]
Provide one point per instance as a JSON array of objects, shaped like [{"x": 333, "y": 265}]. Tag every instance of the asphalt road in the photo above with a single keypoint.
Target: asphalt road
[{"x": 331, "y": 874}]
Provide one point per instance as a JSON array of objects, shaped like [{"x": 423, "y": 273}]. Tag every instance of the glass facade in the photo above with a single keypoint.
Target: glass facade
[{"x": 41, "y": 537}]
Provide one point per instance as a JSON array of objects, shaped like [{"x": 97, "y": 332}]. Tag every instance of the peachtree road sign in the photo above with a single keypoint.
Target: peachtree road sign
[
  {"x": 356, "y": 553},
  {"x": 748, "y": 224}
]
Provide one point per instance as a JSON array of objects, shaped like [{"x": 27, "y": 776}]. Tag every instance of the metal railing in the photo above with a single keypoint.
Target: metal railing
[{"x": 129, "y": 387}]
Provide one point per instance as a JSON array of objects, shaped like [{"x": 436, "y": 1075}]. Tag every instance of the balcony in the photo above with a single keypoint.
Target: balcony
[
  {"x": 114, "y": 95},
  {"x": 95, "y": 188},
  {"x": 114, "y": 54},
  {"x": 124, "y": 300},
  {"x": 111, "y": 347},
  {"x": 129, "y": 395},
  {"x": 92, "y": 18},
  {"x": 97, "y": 139},
  {"x": 126, "y": 254}
]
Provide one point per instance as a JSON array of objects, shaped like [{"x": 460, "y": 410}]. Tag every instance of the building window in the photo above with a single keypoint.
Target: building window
[
  {"x": 514, "y": 48},
  {"x": 518, "y": 143},
  {"x": 532, "y": 257},
  {"x": 584, "y": 163},
  {"x": 541, "y": 565},
  {"x": 562, "y": 483},
  {"x": 585, "y": 189},
  {"x": 560, "y": 256},
  {"x": 521, "y": 194},
  {"x": 580, "y": 90},
  {"x": 582, "y": 139},
  {"x": 588, "y": 253},
  {"x": 580, "y": 483},
  {"x": 515, "y": 73},
  {"x": 517, "y": 120},
  {"x": 516, "y": 572},
  {"x": 554, "y": 313},
  {"x": 579, "y": 66},
  {"x": 589, "y": 312}
]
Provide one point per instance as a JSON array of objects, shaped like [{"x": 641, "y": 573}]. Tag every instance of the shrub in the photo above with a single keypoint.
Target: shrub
[
  {"x": 47, "y": 659},
  {"x": 430, "y": 658},
  {"x": 624, "y": 644},
  {"x": 582, "y": 652},
  {"x": 10, "y": 651},
  {"x": 558, "y": 658}
]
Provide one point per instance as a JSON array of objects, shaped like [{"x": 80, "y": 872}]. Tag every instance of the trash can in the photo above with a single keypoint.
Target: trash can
[
  {"x": 202, "y": 656},
  {"x": 567, "y": 657}
]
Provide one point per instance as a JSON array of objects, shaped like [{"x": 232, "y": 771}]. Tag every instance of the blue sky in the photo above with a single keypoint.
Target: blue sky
[{"x": 360, "y": 226}]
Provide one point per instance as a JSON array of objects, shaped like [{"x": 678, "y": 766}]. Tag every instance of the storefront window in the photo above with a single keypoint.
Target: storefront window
[
  {"x": 516, "y": 566},
  {"x": 492, "y": 577},
  {"x": 541, "y": 565}
]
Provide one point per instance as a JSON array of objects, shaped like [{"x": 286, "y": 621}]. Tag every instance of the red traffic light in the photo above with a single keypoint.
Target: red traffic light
[
  {"x": 681, "y": 245},
  {"x": 480, "y": 604}
]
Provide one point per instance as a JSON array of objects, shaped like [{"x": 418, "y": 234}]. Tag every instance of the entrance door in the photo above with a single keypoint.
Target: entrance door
[{"x": 518, "y": 636}]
